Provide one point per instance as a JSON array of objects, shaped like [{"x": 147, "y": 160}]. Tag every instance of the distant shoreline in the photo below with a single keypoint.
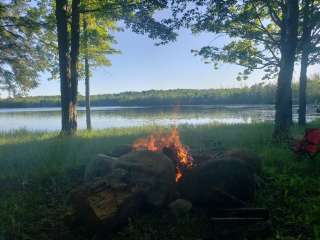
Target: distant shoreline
[
  {"x": 254, "y": 95},
  {"x": 145, "y": 106}
]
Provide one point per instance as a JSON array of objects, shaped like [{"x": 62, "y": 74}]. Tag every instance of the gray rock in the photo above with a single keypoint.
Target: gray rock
[
  {"x": 152, "y": 171},
  {"x": 180, "y": 207},
  {"x": 100, "y": 166},
  {"x": 246, "y": 156},
  {"x": 224, "y": 183},
  {"x": 116, "y": 189},
  {"x": 121, "y": 150}
]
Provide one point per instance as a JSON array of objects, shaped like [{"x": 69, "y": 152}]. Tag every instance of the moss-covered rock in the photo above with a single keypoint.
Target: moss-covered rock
[{"x": 221, "y": 183}]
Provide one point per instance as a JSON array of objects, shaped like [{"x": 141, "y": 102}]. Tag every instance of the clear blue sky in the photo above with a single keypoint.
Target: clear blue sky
[{"x": 143, "y": 66}]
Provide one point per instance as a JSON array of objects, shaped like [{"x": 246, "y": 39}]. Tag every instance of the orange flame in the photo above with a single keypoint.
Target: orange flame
[{"x": 156, "y": 143}]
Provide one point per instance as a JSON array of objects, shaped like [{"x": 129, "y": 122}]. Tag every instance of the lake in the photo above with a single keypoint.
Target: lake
[{"x": 48, "y": 119}]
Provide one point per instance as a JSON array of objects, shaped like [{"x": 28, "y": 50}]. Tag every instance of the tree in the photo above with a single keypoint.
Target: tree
[
  {"x": 74, "y": 63},
  {"x": 136, "y": 14},
  {"x": 288, "y": 43},
  {"x": 87, "y": 72},
  {"x": 309, "y": 48},
  {"x": 263, "y": 36},
  {"x": 96, "y": 45},
  {"x": 67, "y": 80},
  {"x": 21, "y": 50}
]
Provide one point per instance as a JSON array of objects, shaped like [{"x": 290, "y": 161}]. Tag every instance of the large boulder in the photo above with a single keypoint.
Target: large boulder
[
  {"x": 246, "y": 156},
  {"x": 223, "y": 183},
  {"x": 121, "y": 150},
  {"x": 98, "y": 167},
  {"x": 116, "y": 188},
  {"x": 154, "y": 172},
  {"x": 180, "y": 207}
]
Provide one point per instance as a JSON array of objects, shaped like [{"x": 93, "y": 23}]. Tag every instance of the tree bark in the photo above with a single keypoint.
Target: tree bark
[
  {"x": 74, "y": 62},
  {"x": 303, "y": 87},
  {"x": 288, "y": 45},
  {"x": 87, "y": 74},
  {"x": 64, "y": 66},
  {"x": 305, "y": 41}
]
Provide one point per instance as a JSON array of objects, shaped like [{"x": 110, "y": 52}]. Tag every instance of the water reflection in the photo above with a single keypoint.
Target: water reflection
[{"x": 113, "y": 117}]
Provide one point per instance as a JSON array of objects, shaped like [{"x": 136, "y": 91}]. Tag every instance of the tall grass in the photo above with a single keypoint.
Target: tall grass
[{"x": 38, "y": 169}]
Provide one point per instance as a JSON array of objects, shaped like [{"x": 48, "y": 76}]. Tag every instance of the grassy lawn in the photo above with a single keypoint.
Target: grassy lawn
[{"x": 37, "y": 170}]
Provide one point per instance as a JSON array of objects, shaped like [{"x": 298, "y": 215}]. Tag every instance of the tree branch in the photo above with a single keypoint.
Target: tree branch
[
  {"x": 274, "y": 16},
  {"x": 263, "y": 27}
]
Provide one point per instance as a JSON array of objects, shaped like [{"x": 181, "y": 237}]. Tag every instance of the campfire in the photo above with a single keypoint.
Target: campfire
[
  {"x": 170, "y": 144},
  {"x": 158, "y": 171}
]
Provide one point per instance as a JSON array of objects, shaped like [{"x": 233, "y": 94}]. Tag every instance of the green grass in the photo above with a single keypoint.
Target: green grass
[{"x": 37, "y": 170}]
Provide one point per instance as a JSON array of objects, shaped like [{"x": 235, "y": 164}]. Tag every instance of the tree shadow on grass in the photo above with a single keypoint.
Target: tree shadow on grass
[{"x": 36, "y": 177}]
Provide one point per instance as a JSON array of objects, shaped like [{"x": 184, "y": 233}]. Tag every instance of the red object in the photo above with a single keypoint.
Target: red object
[{"x": 310, "y": 143}]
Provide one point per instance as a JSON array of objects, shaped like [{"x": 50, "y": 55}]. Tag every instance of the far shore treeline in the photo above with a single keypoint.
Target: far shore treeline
[{"x": 256, "y": 94}]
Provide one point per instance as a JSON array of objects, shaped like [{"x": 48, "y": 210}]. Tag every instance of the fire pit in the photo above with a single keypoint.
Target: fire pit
[
  {"x": 171, "y": 146},
  {"x": 156, "y": 171}
]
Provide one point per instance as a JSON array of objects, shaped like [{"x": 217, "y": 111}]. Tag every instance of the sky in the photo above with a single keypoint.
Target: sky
[{"x": 144, "y": 66}]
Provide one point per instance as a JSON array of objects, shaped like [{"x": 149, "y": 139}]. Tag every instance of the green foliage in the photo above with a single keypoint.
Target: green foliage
[
  {"x": 21, "y": 49},
  {"x": 96, "y": 41},
  {"x": 252, "y": 29},
  {"x": 136, "y": 14},
  {"x": 256, "y": 94},
  {"x": 310, "y": 26},
  {"x": 28, "y": 36}
]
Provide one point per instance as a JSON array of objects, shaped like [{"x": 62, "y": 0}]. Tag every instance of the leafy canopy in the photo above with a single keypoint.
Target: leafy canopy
[
  {"x": 252, "y": 29},
  {"x": 21, "y": 48}
]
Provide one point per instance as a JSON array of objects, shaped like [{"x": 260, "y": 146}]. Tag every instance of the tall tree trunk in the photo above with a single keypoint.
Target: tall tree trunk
[
  {"x": 87, "y": 74},
  {"x": 303, "y": 87},
  {"x": 64, "y": 67},
  {"x": 305, "y": 41},
  {"x": 74, "y": 62},
  {"x": 289, "y": 32}
]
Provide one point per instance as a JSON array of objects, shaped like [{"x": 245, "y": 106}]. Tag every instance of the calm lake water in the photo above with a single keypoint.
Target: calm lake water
[{"x": 48, "y": 119}]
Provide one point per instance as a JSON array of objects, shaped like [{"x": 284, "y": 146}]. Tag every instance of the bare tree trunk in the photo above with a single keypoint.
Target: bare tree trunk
[
  {"x": 289, "y": 32},
  {"x": 64, "y": 67},
  {"x": 305, "y": 41},
  {"x": 87, "y": 74},
  {"x": 74, "y": 62},
  {"x": 303, "y": 88}
]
